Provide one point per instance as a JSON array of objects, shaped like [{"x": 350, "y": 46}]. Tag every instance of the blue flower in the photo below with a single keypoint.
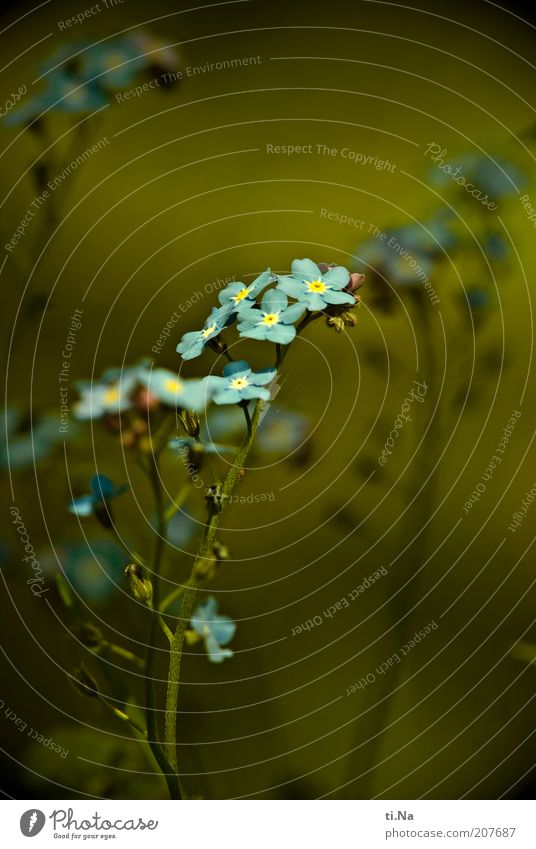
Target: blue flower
[
  {"x": 175, "y": 392},
  {"x": 98, "y": 399},
  {"x": 282, "y": 431},
  {"x": 113, "y": 63},
  {"x": 214, "y": 629},
  {"x": 495, "y": 176},
  {"x": 315, "y": 289},
  {"x": 274, "y": 320},
  {"x": 240, "y": 295},
  {"x": 240, "y": 383},
  {"x": 24, "y": 442},
  {"x": 193, "y": 344},
  {"x": 103, "y": 490},
  {"x": 94, "y": 569}
]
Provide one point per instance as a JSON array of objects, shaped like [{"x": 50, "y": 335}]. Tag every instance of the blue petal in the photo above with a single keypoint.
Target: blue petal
[
  {"x": 223, "y": 629},
  {"x": 227, "y": 396},
  {"x": 237, "y": 367},
  {"x": 293, "y": 313},
  {"x": 263, "y": 376},
  {"x": 250, "y": 392},
  {"x": 338, "y": 298},
  {"x": 315, "y": 302},
  {"x": 214, "y": 651},
  {"x": 274, "y": 300},
  {"x": 294, "y": 288},
  {"x": 102, "y": 487},
  {"x": 261, "y": 282},
  {"x": 338, "y": 277},
  {"x": 259, "y": 331},
  {"x": 82, "y": 506},
  {"x": 306, "y": 269},
  {"x": 282, "y": 333}
]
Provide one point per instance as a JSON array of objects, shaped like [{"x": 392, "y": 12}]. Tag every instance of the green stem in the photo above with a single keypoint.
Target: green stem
[
  {"x": 190, "y": 592},
  {"x": 245, "y": 407},
  {"x": 178, "y": 501},
  {"x": 127, "y": 655},
  {"x": 150, "y": 710}
]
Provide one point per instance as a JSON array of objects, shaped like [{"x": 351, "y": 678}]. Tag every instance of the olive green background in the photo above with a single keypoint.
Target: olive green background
[{"x": 186, "y": 193}]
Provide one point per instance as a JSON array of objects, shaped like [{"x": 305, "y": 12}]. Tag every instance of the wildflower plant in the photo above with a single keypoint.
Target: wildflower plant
[{"x": 154, "y": 410}]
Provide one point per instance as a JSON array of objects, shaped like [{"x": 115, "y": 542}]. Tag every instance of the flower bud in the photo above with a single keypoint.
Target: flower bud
[
  {"x": 89, "y": 635},
  {"x": 356, "y": 281},
  {"x": 190, "y": 422},
  {"x": 140, "y": 585},
  {"x": 221, "y": 552},
  {"x": 215, "y": 498}
]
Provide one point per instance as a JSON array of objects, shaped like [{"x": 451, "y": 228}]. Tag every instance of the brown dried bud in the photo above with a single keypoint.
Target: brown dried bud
[{"x": 85, "y": 683}]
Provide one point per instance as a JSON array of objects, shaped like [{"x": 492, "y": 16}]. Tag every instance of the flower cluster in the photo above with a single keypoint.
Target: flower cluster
[
  {"x": 313, "y": 288},
  {"x": 80, "y": 77}
]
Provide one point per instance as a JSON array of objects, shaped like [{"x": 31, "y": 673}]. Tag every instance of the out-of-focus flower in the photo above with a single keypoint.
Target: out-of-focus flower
[
  {"x": 492, "y": 175},
  {"x": 176, "y": 392},
  {"x": 25, "y": 441},
  {"x": 112, "y": 394},
  {"x": 281, "y": 431},
  {"x": 193, "y": 344},
  {"x": 274, "y": 321},
  {"x": 158, "y": 57},
  {"x": 317, "y": 290},
  {"x": 94, "y": 569},
  {"x": 240, "y": 383},
  {"x": 214, "y": 629},
  {"x": 113, "y": 63},
  {"x": 103, "y": 490},
  {"x": 240, "y": 296}
]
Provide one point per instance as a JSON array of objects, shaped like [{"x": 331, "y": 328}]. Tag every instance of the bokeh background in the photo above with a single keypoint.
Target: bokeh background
[{"x": 183, "y": 193}]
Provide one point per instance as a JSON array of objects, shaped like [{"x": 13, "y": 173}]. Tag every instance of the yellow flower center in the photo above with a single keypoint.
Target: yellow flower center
[
  {"x": 241, "y": 295},
  {"x": 316, "y": 286},
  {"x": 270, "y": 318},
  {"x": 239, "y": 383},
  {"x": 208, "y": 330},
  {"x": 111, "y": 395},
  {"x": 173, "y": 386}
]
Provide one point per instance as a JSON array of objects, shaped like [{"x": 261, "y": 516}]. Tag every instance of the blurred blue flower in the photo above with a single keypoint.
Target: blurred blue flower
[
  {"x": 103, "y": 490},
  {"x": 240, "y": 383},
  {"x": 94, "y": 569},
  {"x": 99, "y": 399},
  {"x": 274, "y": 320},
  {"x": 317, "y": 290},
  {"x": 477, "y": 298},
  {"x": 214, "y": 629},
  {"x": 169, "y": 389},
  {"x": 240, "y": 295},
  {"x": 114, "y": 63},
  {"x": 25, "y": 441},
  {"x": 155, "y": 52},
  {"x": 281, "y": 431},
  {"x": 193, "y": 344},
  {"x": 495, "y": 176},
  {"x": 496, "y": 246}
]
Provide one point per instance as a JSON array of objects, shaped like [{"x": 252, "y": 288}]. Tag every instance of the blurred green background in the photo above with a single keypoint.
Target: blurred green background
[{"x": 184, "y": 193}]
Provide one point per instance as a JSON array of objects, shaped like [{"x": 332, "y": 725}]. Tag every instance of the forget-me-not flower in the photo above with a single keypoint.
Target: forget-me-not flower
[
  {"x": 240, "y": 296},
  {"x": 214, "y": 629},
  {"x": 103, "y": 490},
  {"x": 174, "y": 391},
  {"x": 193, "y": 344},
  {"x": 315, "y": 289},
  {"x": 274, "y": 320},
  {"x": 240, "y": 383}
]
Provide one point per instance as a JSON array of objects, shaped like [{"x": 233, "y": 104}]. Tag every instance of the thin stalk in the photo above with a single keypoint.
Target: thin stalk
[
  {"x": 189, "y": 596},
  {"x": 127, "y": 655},
  {"x": 150, "y": 710}
]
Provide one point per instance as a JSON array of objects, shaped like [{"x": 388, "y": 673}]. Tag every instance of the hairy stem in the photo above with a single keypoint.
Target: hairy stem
[{"x": 190, "y": 592}]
